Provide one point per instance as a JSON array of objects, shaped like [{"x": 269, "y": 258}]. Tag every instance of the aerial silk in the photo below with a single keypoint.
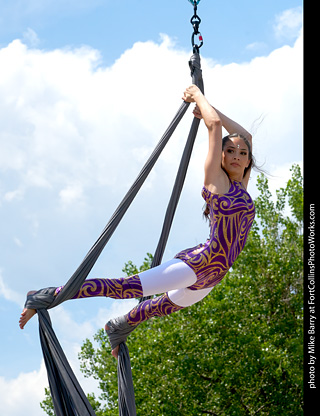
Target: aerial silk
[{"x": 67, "y": 394}]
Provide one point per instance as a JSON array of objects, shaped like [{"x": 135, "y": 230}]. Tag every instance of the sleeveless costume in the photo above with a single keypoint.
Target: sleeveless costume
[{"x": 231, "y": 217}]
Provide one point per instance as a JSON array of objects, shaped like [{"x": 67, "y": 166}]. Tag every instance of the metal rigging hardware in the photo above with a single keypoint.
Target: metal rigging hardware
[{"x": 195, "y": 21}]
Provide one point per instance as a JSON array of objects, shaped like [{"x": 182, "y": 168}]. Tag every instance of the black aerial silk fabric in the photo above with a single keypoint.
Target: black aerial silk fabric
[{"x": 68, "y": 396}]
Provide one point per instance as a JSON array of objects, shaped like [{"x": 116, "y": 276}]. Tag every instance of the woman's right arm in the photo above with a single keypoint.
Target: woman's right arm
[{"x": 214, "y": 177}]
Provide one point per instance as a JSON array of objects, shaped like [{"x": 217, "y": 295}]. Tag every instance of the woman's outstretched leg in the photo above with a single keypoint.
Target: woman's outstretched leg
[
  {"x": 122, "y": 288},
  {"x": 173, "y": 274}
]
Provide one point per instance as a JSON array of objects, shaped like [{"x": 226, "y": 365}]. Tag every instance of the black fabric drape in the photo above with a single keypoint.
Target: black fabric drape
[{"x": 68, "y": 396}]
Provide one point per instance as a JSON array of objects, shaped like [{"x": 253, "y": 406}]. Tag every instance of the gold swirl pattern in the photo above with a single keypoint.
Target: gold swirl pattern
[
  {"x": 231, "y": 216},
  {"x": 159, "y": 306},
  {"x": 123, "y": 288}
]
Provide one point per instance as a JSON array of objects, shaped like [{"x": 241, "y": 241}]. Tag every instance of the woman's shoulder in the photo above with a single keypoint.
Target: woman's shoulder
[
  {"x": 206, "y": 194},
  {"x": 210, "y": 192}
]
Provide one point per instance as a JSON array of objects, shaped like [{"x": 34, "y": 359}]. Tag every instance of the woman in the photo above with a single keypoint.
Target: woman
[{"x": 192, "y": 274}]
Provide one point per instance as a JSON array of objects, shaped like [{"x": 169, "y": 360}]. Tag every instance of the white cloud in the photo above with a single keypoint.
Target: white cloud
[
  {"x": 30, "y": 37},
  {"x": 18, "y": 242},
  {"x": 72, "y": 194},
  {"x": 23, "y": 394},
  {"x": 11, "y": 195},
  {"x": 68, "y": 124},
  {"x": 256, "y": 46},
  {"x": 9, "y": 294},
  {"x": 288, "y": 23}
]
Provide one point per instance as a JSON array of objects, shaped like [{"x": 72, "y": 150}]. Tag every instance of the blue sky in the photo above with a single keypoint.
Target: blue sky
[
  {"x": 233, "y": 31},
  {"x": 87, "y": 88}
]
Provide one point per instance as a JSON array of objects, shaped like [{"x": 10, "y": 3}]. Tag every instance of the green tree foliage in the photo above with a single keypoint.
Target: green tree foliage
[{"x": 237, "y": 352}]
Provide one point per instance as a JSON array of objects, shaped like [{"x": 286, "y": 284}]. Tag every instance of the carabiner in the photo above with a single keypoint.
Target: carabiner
[{"x": 195, "y": 46}]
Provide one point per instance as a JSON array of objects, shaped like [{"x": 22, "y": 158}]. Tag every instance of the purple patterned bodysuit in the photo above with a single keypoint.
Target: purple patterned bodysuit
[{"x": 231, "y": 217}]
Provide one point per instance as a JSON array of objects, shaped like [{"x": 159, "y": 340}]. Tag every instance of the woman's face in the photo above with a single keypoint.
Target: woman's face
[{"x": 235, "y": 158}]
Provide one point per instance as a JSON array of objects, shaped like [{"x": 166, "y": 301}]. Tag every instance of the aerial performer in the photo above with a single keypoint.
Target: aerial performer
[{"x": 193, "y": 272}]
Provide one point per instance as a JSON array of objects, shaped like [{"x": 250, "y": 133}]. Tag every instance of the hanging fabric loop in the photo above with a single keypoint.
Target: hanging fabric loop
[{"x": 67, "y": 395}]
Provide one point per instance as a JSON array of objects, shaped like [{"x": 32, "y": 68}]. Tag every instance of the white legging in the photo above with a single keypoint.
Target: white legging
[{"x": 174, "y": 277}]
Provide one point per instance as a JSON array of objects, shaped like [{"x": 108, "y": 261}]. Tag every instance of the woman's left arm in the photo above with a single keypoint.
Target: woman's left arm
[
  {"x": 230, "y": 125},
  {"x": 233, "y": 127}
]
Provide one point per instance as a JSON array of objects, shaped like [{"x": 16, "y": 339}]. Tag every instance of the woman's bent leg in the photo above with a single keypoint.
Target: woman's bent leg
[
  {"x": 165, "y": 304},
  {"x": 159, "y": 306},
  {"x": 118, "y": 329}
]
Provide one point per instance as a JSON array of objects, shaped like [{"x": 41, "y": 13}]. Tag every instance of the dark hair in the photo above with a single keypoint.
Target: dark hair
[{"x": 252, "y": 163}]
